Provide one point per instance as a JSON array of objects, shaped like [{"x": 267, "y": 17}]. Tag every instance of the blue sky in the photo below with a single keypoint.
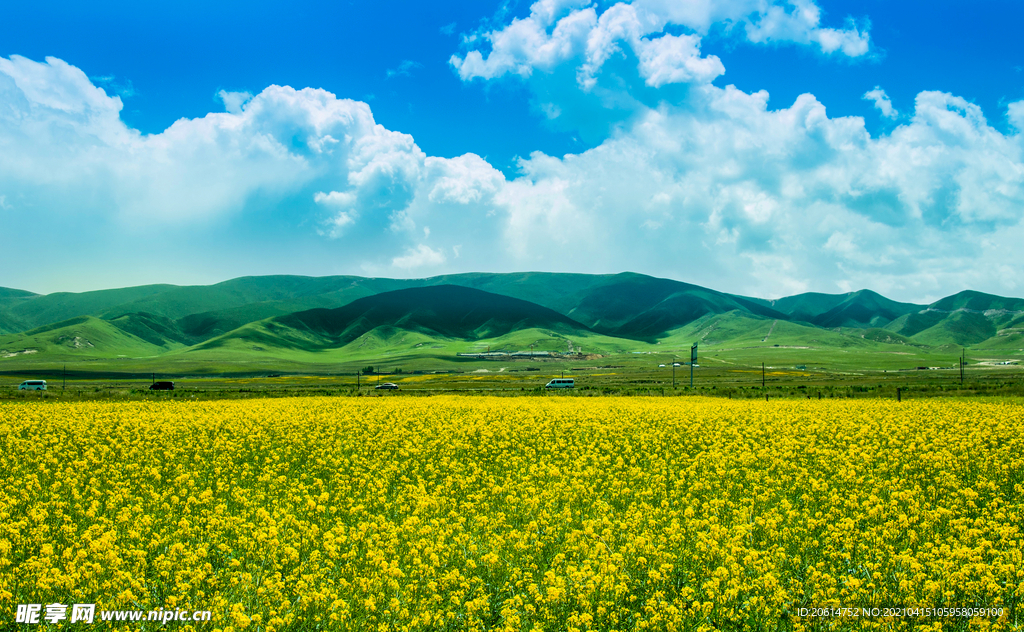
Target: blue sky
[{"x": 562, "y": 136}]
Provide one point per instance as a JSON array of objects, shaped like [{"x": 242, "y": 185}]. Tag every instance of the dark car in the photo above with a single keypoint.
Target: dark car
[
  {"x": 389, "y": 386},
  {"x": 162, "y": 386}
]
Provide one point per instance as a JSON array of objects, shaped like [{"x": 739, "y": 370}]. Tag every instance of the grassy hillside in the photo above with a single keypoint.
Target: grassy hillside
[
  {"x": 156, "y": 330},
  {"x": 51, "y": 308},
  {"x": 807, "y": 306},
  {"x": 314, "y": 323},
  {"x": 77, "y": 339},
  {"x": 285, "y": 293},
  {"x": 626, "y": 305},
  {"x": 557, "y": 291},
  {"x": 740, "y": 339},
  {"x": 863, "y": 308},
  {"x": 978, "y": 301},
  {"x": 445, "y": 311},
  {"x": 9, "y": 298},
  {"x": 960, "y": 328},
  {"x": 9, "y": 325}
]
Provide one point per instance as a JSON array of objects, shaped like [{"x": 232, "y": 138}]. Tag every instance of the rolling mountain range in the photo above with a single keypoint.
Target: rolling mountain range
[{"x": 316, "y": 315}]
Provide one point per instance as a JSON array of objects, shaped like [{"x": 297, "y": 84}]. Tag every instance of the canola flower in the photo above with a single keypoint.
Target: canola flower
[{"x": 448, "y": 513}]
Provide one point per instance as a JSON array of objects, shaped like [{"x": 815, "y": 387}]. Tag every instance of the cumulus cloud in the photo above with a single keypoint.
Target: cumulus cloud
[
  {"x": 1015, "y": 114},
  {"x": 422, "y": 256},
  {"x": 68, "y": 154},
  {"x": 723, "y": 190},
  {"x": 799, "y": 23},
  {"x": 561, "y": 31},
  {"x": 234, "y": 101},
  {"x": 781, "y": 200},
  {"x": 882, "y": 102}
]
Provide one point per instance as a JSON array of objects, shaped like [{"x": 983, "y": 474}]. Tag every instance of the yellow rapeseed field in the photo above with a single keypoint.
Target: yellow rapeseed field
[{"x": 559, "y": 513}]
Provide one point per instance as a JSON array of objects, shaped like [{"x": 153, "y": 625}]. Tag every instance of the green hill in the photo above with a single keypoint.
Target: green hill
[
  {"x": 264, "y": 319},
  {"x": 10, "y": 298},
  {"x": 11, "y": 293},
  {"x": 285, "y": 293},
  {"x": 636, "y": 306},
  {"x": 978, "y": 301},
  {"x": 910, "y": 325},
  {"x": 445, "y": 311},
  {"x": 964, "y": 319},
  {"x": 960, "y": 328},
  {"x": 627, "y": 304},
  {"x": 558, "y": 291},
  {"x": 156, "y": 330},
  {"x": 863, "y": 308},
  {"x": 77, "y": 339},
  {"x": 279, "y": 295},
  {"x": 807, "y": 306},
  {"x": 40, "y": 310},
  {"x": 9, "y": 325}
]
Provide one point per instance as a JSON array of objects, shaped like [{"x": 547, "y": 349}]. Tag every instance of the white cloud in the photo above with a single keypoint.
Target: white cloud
[
  {"x": 779, "y": 200},
  {"x": 525, "y": 44},
  {"x": 422, "y": 256},
  {"x": 799, "y": 23},
  {"x": 558, "y": 31},
  {"x": 64, "y": 136},
  {"x": 234, "y": 101},
  {"x": 343, "y": 208},
  {"x": 882, "y": 102},
  {"x": 1015, "y": 114},
  {"x": 676, "y": 59},
  {"x": 547, "y": 12},
  {"x": 723, "y": 191},
  {"x": 461, "y": 180}
]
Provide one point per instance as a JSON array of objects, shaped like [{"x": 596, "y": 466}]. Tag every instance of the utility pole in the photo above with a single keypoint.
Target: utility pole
[
  {"x": 693, "y": 359},
  {"x": 762, "y": 375},
  {"x": 963, "y": 363},
  {"x": 673, "y": 373},
  {"x": 357, "y": 380},
  {"x": 378, "y": 376},
  {"x": 64, "y": 384}
]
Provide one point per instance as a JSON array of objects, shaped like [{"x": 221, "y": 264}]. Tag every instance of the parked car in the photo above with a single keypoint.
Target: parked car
[
  {"x": 32, "y": 385},
  {"x": 566, "y": 382},
  {"x": 387, "y": 386},
  {"x": 162, "y": 386}
]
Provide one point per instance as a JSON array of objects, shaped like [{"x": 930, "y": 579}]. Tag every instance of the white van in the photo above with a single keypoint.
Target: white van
[
  {"x": 565, "y": 382},
  {"x": 32, "y": 385}
]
